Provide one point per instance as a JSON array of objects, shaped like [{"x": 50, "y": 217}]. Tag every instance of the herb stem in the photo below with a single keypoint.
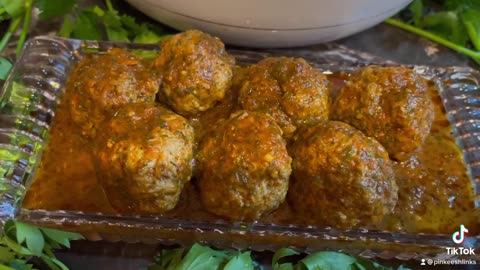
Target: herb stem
[
  {"x": 475, "y": 55},
  {"x": 472, "y": 32},
  {"x": 109, "y": 5},
  {"x": 11, "y": 29},
  {"x": 26, "y": 25}
]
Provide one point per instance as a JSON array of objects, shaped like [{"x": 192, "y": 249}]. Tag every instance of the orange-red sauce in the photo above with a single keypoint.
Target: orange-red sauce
[{"x": 435, "y": 192}]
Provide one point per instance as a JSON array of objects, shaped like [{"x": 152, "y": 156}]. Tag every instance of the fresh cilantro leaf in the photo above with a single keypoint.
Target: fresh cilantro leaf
[
  {"x": 5, "y": 67},
  {"x": 32, "y": 236},
  {"x": 284, "y": 266},
  {"x": 417, "y": 11},
  {"x": 13, "y": 8},
  {"x": 328, "y": 260},
  {"x": 4, "y": 267},
  {"x": 171, "y": 257},
  {"x": 147, "y": 36},
  {"x": 54, "y": 263},
  {"x": 448, "y": 25},
  {"x": 20, "y": 250},
  {"x": 129, "y": 23},
  {"x": 113, "y": 25},
  {"x": 201, "y": 258},
  {"x": 61, "y": 237},
  {"x": 67, "y": 27},
  {"x": 9, "y": 229},
  {"x": 97, "y": 10},
  {"x": 55, "y": 8},
  {"x": 6, "y": 254},
  {"x": 48, "y": 261},
  {"x": 20, "y": 265},
  {"x": 471, "y": 21},
  {"x": 242, "y": 261},
  {"x": 282, "y": 253},
  {"x": 461, "y": 4},
  {"x": 364, "y": 264},
  {"x": 48, "y": 249},
  {"x": 87, "y": 27}
]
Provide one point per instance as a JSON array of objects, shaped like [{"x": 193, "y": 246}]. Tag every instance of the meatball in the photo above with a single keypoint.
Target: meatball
[
  {"x": 101, "y": 82},
  {"x": 391, "y": 104},
  {"x": 341, "y": 177},
  {"x": 244, "y": 167},
  {"x": 144, "y": 158},
  {"x": 288, "y": 89},
  {"x": 196, "y": 69}
]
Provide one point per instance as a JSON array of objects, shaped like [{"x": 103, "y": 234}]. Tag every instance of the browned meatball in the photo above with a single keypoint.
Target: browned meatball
[
  {"x": 341, "y": 178},
  {"x": 244, "y": 167},
  {"x": 391, "y": 104},
  {"x": 197, "y": 71},
  {"x": 101, "y": 82},
  {"x": 144, "y": 158},
  {"x": 288, "y": 89}
]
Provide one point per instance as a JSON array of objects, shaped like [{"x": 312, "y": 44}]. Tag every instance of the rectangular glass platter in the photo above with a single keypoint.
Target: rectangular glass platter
[{"x": 35, "y": 86}]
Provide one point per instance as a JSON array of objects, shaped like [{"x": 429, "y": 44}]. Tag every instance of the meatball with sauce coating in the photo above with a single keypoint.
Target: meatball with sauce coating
[
  {"x": 391, "y": 104},
  {"x": 103, "y": 82},
  {"x": 244, "y": 167},
  {"x": 288, "y": 89},
  {"x": 144, "y": 158},
  {"x": 197, "y": 71},
  {"x": 341, "y": 178}
]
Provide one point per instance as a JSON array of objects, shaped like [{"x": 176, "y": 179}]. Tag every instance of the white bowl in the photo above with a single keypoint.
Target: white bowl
[{"x": 272, "y": 23}]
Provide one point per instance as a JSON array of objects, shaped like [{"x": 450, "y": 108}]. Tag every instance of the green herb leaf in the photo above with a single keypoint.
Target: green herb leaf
[
  {"x": 146, "y": 36},
  {"x": 171, "y": 257},
  {"x": 4, "y": 267},
  {"x": 129, "y": 23},
  {"x": 61, "y": 237},
  {"x": 32, "y": 236},
  {"x": 461, "y": 4},
  {"x": 13, "y": 8},
  {"x": 243, "y": 261},
  {"x": 55, "y": 8},
  {"x": 6, "y": 254},
  {"x": 448, "y": 25},
  {"x": 20, "y": 265},
  {"x": 113, "y": 24},
  {"x": 201, "y": 258},
  {"x": 417, "y": 10},
  {"x": 5, "y": 67},
  {"x": 52, "y": 261},
  {"x": 67, "y": 27},
  {"x": 282, "y": 253},
  {"x": 97, "y": 11},
  {"x": 20, "y": 250},
  {"x": 328, "y": 260},
  {"x": 87, "y": 27},
  {"x": 471, "y": 21},
  {"x": 364, "y": 264}
]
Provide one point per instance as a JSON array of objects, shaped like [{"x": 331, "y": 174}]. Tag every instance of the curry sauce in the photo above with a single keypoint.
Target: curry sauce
[{"x": 435, "y": 192}]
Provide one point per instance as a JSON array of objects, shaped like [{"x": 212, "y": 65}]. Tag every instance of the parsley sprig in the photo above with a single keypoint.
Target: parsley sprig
[
  {"x": 205, "y": 258},
  {"x": 92, "y": 22},
  {"x": 452, "y": 23},
  {"x": 19, "y": 242}
]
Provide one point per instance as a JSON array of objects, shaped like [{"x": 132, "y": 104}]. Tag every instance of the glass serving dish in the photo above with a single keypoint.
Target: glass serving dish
[{"x": 35, "y": 86}]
